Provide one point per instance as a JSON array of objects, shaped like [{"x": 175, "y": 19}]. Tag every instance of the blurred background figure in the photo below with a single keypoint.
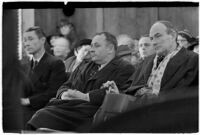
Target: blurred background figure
[
  {"x": 146, "y": 48},
  {"x": 185, "y": 39},
  {"x": 125, "y": 39},
  {"x": 81, "y": 53},
  {"x": 195, "y": 46},
  {"x": 68, "y": 30},
  {"x": 61, "y": 47}
]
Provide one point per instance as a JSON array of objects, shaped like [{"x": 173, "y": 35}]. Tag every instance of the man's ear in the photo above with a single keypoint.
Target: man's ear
[
  {"x": 111, "y": 47},
  {"x": 174, "y": 35},
  {"x": 43, "y": 39}
]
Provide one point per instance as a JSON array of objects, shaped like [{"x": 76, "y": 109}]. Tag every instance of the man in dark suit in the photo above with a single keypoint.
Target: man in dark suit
[
  {"x": 171, "y": 67},
  {"x": 46, "y": 73},
  {"x": 78, "y": 100},
  {"x": 174, "y": 78}
]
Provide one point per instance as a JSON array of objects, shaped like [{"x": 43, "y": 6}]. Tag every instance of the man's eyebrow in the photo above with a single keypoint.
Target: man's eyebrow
[{"x": 157, "y": 34}]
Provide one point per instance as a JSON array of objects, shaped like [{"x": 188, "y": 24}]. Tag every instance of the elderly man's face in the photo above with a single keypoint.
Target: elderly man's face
[
  {"x": 99, "y": 49},
  {"x": 161, "y": 40},
  {"x": 146, "y": 47},
  {"x": 32, "y": 43}
]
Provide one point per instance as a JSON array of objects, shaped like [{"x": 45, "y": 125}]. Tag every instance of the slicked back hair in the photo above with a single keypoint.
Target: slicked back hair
[
  {"x": 109, "y": 38},
  {"x": 38, "y": 31}
]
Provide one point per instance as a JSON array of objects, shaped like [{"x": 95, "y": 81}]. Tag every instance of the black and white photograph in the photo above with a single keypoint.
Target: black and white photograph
[{"x": 100, "y": 67}]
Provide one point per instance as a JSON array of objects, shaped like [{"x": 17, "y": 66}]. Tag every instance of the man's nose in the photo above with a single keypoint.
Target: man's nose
[{"x": 26, "y": 44}]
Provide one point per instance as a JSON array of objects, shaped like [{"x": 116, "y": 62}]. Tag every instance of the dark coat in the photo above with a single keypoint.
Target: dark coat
[
  {"x": 46, "y": 78},
  {"x": 181, "y": 71},
  {"x": 69, "y": 114}
]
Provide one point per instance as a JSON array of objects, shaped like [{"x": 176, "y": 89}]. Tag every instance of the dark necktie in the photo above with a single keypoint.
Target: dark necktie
[
  {"x": 34, "y": 64},
  {"x": 159, "y": 60}
]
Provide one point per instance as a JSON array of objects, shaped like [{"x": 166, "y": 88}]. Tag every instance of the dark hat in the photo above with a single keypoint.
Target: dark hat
[
  {"x": 83, "y": 42},
  {"x": 124, "y": 50},
  {"x": 186, "y": 34}
]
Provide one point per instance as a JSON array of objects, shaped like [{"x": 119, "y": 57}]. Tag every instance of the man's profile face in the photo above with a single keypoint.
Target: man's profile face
[
  {"x": 146, "y": 47},
  {"x": 32, "y": 43},
  {"x": 99, "y": 49},
  {"x": 161, "y": 40}
]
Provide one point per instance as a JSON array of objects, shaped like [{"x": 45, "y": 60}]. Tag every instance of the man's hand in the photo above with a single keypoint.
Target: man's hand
[
  {"x": 25, "y": 101},
  {"x": 74, "y": 94},
  {"x": 112, "y": 87},
  {"x": 144, "y": 91}
]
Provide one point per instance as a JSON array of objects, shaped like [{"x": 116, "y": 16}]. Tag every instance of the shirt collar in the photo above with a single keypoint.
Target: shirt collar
[{"x": 38, "y": 59}]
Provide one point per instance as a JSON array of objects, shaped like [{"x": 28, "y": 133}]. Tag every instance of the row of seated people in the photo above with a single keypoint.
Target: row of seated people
[{"x": 168, "y": 66}]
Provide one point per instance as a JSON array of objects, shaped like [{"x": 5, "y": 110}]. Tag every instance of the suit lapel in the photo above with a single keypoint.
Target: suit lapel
[
  {"x": 173, "y": 65},
  {"x": 106, "y": 70},
  {"x": 148, "y": 68}
]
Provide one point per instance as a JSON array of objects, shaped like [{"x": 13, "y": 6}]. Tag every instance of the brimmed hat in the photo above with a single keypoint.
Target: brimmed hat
[
  {"x": 83, "y": 42},
  {"x": 124, "y": 50}
]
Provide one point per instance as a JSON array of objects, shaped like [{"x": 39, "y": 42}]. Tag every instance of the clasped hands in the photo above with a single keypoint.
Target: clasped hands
[
  {"x": 74, "y": 94},
  {"x": 112, "y": 88}
]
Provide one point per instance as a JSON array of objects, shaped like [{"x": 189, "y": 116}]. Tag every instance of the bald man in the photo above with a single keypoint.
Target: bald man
[{"x": 172, "y": 67}]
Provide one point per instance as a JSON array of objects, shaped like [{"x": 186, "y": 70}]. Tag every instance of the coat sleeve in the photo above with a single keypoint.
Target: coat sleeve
[
  {"x": 190, "y": 73},
  {"x": 122, "y": 75},
  {"x": 56, "y": 79}
]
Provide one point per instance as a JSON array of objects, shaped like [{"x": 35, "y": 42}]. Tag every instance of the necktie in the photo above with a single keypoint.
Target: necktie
[
  {"x": 34, "y": 64},
  {"x": 159, "y": 59}
]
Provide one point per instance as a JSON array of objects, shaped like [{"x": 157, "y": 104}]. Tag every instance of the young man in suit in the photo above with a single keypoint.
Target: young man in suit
[
  {"x": 78, "y": 100},
  {"x": 46, "y": 73}
]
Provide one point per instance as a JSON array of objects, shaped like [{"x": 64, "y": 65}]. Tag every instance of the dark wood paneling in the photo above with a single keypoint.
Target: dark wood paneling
[
  {"x": 85, "y": 21},
  {"x": 132, "y": 21},
  {"x": 182, "y": 18},
  {"x": 48, "y": 19}
]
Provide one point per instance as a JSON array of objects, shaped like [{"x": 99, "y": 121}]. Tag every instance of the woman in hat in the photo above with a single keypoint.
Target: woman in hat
[{"x": 185, "y": 39}]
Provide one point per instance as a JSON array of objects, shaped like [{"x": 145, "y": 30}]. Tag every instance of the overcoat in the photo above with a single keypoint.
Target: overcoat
[
  {"x": 69, "y": 114},
  {"x": 181, "y": 71}
]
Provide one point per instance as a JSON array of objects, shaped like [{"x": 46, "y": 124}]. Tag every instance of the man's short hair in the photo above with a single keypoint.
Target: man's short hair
[
  {"x": 38, "y": 31},
  {"x": 109, "y": 38}
]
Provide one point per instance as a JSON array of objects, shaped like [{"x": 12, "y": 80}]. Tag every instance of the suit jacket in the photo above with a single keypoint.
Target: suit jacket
[
  {"x": 90, "y": 80},
  {"x": 46, "y": 78},
  {"x": 181, "y": 71}
]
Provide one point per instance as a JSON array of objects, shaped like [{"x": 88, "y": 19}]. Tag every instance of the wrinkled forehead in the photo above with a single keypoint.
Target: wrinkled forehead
[
  {"x": 144, "y": 40},
  {"x": 157, "y": 28}
]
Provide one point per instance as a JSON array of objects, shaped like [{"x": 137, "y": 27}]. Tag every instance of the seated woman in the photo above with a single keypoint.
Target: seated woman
[
  {"x": 185, "y": 39},
  {"x": 81, "y": 52}
]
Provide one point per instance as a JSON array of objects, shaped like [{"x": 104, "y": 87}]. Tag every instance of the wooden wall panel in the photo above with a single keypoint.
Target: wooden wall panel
[
  {"x": 85, "y": 21},
  {"x": 132, "y": 21},
  {"x": 182, "y": 18},
  {"x": 48, "y": 19}
]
